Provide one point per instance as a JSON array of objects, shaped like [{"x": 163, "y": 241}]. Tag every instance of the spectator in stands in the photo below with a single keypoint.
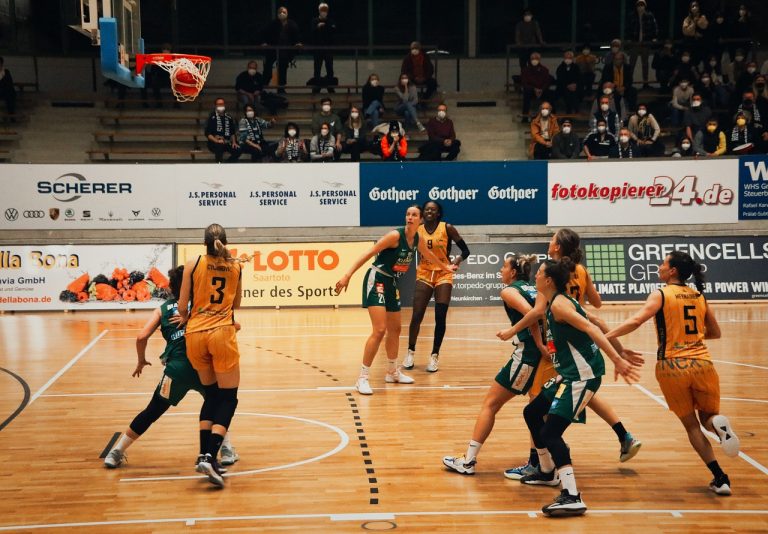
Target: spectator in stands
[
  {"x": 645, "y": 131},
  {"x": 543, "y": 128},
  {"x": 760, "y": 89},
  {"x": 7, "y": 90},
  {"x": 377, "y": 132},
  {"x": 355, "y": 132},
  {"x": 528, "y": 37},
  {"x": 323, "y": 32},
  {"x": 643, "y": 32},
  {"x": 601, "y": 143},
  {"x": 566, "y": 144},
  {"x": 586, "y": 62},
  {"x": 718, "y": 31},
  {"x": 322, "y": 147},
  {"x": 291, "y": 148},
  {"x": 684, "y": 149},
  {"x": 741, "y": 29},
  {"x": 616, "y": 47},
  {"x": 607, "y": 115},
  {"x": 750, "y": 110},
  {"x": 248, "y": 85},
  {"x": 738, "y": 67},
  {"x": 250, "y": 134},
  {"x": 681, "y": 101},
  {"x": 620, "y": 75},
  {"x": 408, "y": 99},
  {"x": 746, "y": 79},
  {"x": 282, "y": 31},
  {"x": 373, "y": 99},
  {"x": 442, "y": 138},
  {"x": 536, "y": 81},
  {"x": 626, "y": 147},
  {"x": 764, "y": 68},
  {"x": 619, "y": 107},
  {"x": 711, "y": 85},
  {"x": 742, "y": 139},
  {"x": 694, "y": 26},
  {"x": 685, "y": 69},
  {"x": 664, "y": 64},
  {"x": 221, "y": 132},
  {"x": 695, "y": 118},
  {"x": 569, "y": 83},
  {"x": 710, "y": 141},
  {"x": 394, "y": 147},
  {"x": 327, "y": 115},
  {"x": 419, "y": 69}
]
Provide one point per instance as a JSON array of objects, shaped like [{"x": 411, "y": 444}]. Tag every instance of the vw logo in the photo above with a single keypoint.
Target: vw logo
[
  {"x": 156, "y": 212},
  {"x": 34, "y": 214},
  {"x": 11, "y": 214}
]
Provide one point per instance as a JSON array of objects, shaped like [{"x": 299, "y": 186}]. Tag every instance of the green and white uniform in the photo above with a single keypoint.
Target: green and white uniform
[
  {"x": 579, "y": 363},
  {"x": 517, "y": 375},
  {"x": 179, "y": 376},
  {"x": 380, "y": 282}
]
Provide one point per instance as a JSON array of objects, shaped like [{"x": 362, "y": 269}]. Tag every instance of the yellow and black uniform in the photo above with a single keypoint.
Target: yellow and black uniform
[
  {"x": 684, "y": 366},
  {"x": 577, "y": 287},
  {"x": 211, "y": 327},
  {"x": 439, "y": 243}
]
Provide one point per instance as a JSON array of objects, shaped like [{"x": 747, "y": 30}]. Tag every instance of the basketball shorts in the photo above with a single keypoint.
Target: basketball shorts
[
  {"x": 380, "y": 290},
  {"x": 216, "y": 347},
  {"x": 518, "y": 374},
  {"x": 569, "y": 399},
  {"x": 433, "y": 278},
  {"x": 688, "y": 385},
  {"x": 545, "y": 372},
  {"x": 178, "y": 379}
]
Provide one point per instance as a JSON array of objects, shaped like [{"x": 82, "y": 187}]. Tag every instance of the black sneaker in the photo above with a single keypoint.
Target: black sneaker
[
  {"x": 208, "y": 466},
  {"x": 539, "y": 478},
  {"x": 565, "y": 505},
  {"x": 201, "y": 458},
  {"x": 721, "y": 485}
]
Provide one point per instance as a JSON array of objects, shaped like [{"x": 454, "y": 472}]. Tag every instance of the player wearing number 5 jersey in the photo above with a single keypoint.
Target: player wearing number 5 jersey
[
  {"x": 394, "y": 254},
  {"x": 684, "y": 367},
  {"x": 213, "y": 284}
]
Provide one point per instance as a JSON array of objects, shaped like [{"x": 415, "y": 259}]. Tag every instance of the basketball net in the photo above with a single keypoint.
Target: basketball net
[{"x": 187, "y": 72}]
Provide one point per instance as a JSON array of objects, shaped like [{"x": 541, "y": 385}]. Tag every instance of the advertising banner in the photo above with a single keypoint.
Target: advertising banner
[
  {"x": 753, "y": 188},
  {"x": 469, "y": 192},
  {"x": 294, "y": 274},
  {"x": 614, "y": 193},
  {"x": 83, "y": 277}
]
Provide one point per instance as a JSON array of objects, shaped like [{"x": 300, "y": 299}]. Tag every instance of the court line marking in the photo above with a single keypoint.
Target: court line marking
[
  {"x": 371, "y": 517},
  {"x": 744, "y": 400},
  {"x": 24, "y": 401},
  {"x": 343, "y": 442},
  {"x": 69, "y": 364},
  {"x": 660, "y": 400},
  {"x": 326, "y": 326}
]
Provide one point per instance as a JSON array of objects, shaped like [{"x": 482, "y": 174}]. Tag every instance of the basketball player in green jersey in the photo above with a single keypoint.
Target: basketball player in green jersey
[
  {"x": 178, "y": 377},
  {"x": 394, "y": 254}
]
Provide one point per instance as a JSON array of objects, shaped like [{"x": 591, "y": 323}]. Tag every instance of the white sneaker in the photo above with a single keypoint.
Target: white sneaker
[
  {"x": 398, "y": 377},
  {"x": 114, "y": 459},
  {"x": 229, "y": 455},
  {"x": 432, "y": 365},
  {"x": 363, "y": 387},
  {"x": 729, "y": 441},
  {"x": 420, "y": 126},
  {"x": 459, "y": 464},
  {"x": 408, "y": 361}
]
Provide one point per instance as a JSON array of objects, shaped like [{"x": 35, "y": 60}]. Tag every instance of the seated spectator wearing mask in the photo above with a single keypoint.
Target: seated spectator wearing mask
[
  {"x": 442, "y": 138},
  {"x": 695, "y": 118},
  {"x": 619, "y": 73},
  {"x": 373, "y": 99},
  {"x": 250, "y": 134},
  {"x": 543, "y": 128},
  {"x": 291, "y": 148},
  {"x": 536, "y": 81},
  {"x": 609, "y": 116},
  {"x": 664, "y": 63},
  {"x": 600, "y": 143},
  {"x": 684, "y": 149},
  {"x": 682, "y": 95},
  {"x": 566, "y": 144},
  {"x": 568, "y": 78},
  {"x": 355, "y": 131},
  {"x": 711, "y": 141},
  {"x": 419, "y": 69},
  {"x": 221, "y": 132},
  {"x": 322, "y": 147},
  {"x": 394, "y": 147},
  {"x": 742, "y": 139},
  {"x": 645, "y": 131},
  {"x": 586, "y": 61},
  {"x": 249, "y": 85},
  {"x": 626, "y": 147},
  {"x": 619, "y": 106},
  {"x": 327, "y": 115},
  {"x": 528, "y": 37}
]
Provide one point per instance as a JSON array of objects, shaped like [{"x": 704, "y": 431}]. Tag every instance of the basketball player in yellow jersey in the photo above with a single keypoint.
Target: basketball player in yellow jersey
[
  {"x": 213, "y": 283},
  {"x": 431, "y": 280},
  {"x": 684, "y": 366}
]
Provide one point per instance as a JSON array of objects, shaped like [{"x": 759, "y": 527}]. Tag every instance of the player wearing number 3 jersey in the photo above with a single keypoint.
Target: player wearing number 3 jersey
[
  {"x": 684, "y": 367},
  {"x": 213, "y": 285}
]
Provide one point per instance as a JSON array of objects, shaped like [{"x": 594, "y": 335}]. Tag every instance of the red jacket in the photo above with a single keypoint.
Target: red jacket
[
  {"x": 407, "y": 67},
  {"x": 391, "y": 152},
  {"x": 438, "y": 130},
  {"x": 537, "y": 77}
]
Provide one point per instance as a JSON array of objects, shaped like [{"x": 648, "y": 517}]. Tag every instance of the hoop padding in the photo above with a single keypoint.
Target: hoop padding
[{"x": 187, "y": 73}]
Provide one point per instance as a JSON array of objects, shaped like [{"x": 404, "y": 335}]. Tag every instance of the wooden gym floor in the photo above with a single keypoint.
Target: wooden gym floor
[{"x": 315, "y": 456}]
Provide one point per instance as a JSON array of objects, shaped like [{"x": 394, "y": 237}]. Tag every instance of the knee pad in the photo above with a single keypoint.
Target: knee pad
[
  {"x": 208, "y": 409},
  {"x": 157, "y": 406},
  {"x": 226, "y": 407}
]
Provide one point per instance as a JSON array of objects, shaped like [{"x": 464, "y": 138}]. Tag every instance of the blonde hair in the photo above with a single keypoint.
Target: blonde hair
[
  {"x": 215, "y": 239},
  {"x": 523, "y": 265}
]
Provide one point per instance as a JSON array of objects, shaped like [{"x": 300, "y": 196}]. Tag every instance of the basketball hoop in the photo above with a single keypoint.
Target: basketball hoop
[{"x": 188, "y": 72}]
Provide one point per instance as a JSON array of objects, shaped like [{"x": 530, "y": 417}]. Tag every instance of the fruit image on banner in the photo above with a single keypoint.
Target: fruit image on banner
[{"x": 293, "y": 274}]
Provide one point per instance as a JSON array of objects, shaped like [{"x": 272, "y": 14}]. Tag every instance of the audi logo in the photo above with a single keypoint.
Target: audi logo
[
  {"x": 11, "y": 214},
  {"x": 34, "y": 214}
]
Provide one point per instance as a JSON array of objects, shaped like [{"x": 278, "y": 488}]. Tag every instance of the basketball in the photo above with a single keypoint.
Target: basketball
[{"x": 185, "y": 82}]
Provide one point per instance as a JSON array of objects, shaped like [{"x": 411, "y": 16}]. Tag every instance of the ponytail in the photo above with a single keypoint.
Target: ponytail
[
  {"x": 686, "y": 266},
  {"x": 522, "y": 265},
  {"x": 569, "y": 242},
  {"x": 216, "y": 241}
]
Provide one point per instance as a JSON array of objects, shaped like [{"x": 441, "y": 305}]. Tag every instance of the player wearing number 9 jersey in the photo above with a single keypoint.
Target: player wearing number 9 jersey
[
  {"x": 213, "y": 285},
  {"x": 684, "y": 367}
]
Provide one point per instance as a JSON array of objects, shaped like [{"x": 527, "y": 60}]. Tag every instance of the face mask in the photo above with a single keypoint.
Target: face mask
[
  {"x": 642, "y": 112},
  {"x": 586, "y": 51},
  {"x": 741, "y": 122},
  {"x": 751, "y": 70},
  {"x": 686, "y": 59},
  {"x": 640, "y": 9},
  {"x": 414, "y": 51},
  {"x": 291, "y": 133},
  {"x": 441, "y": 114},
  {"x": 683, "y": 86},
  {"x": 711, "y": 128},
  {"x": 374, "y": 83},
  {"x": 696, "y": 103},
  {"x": 615, "y": 49},
  {"x": 323, "y": 132},
  {"x": 686, "y": 146},
  {"x": 528, "y": 18},
  {"x": 607, "y": 91},
  {"x": 742, "y": 13},
  {"x": 534, "y": 62},
  {"x": 251, "y": 72},
  {"x": 220, "y": 109},
  {"x": 326, "y": 108},
  {"x": 624, "y": 139},
  {"x": 605, "y": 107},
  {"x": 544, "y": 112},
  {"x": 601, "y": 129},
  {"x": 250, "y": 114},
  {"x": 720, "y": 20},
  {"x": 739, "y": 58},
  {"x": 748, "y": 102},
  {"x": 354, "y": 114},
  {"x": 566, "y": 129},
  {"x": 404, "y": 81},
  {"x": 705, "y": 81},
  {"x": 282, "y": 16},
  {"x": 713, "y": 63},
  {"x": 323, "y": 14},
  {"x": 567, "y": 61}
]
